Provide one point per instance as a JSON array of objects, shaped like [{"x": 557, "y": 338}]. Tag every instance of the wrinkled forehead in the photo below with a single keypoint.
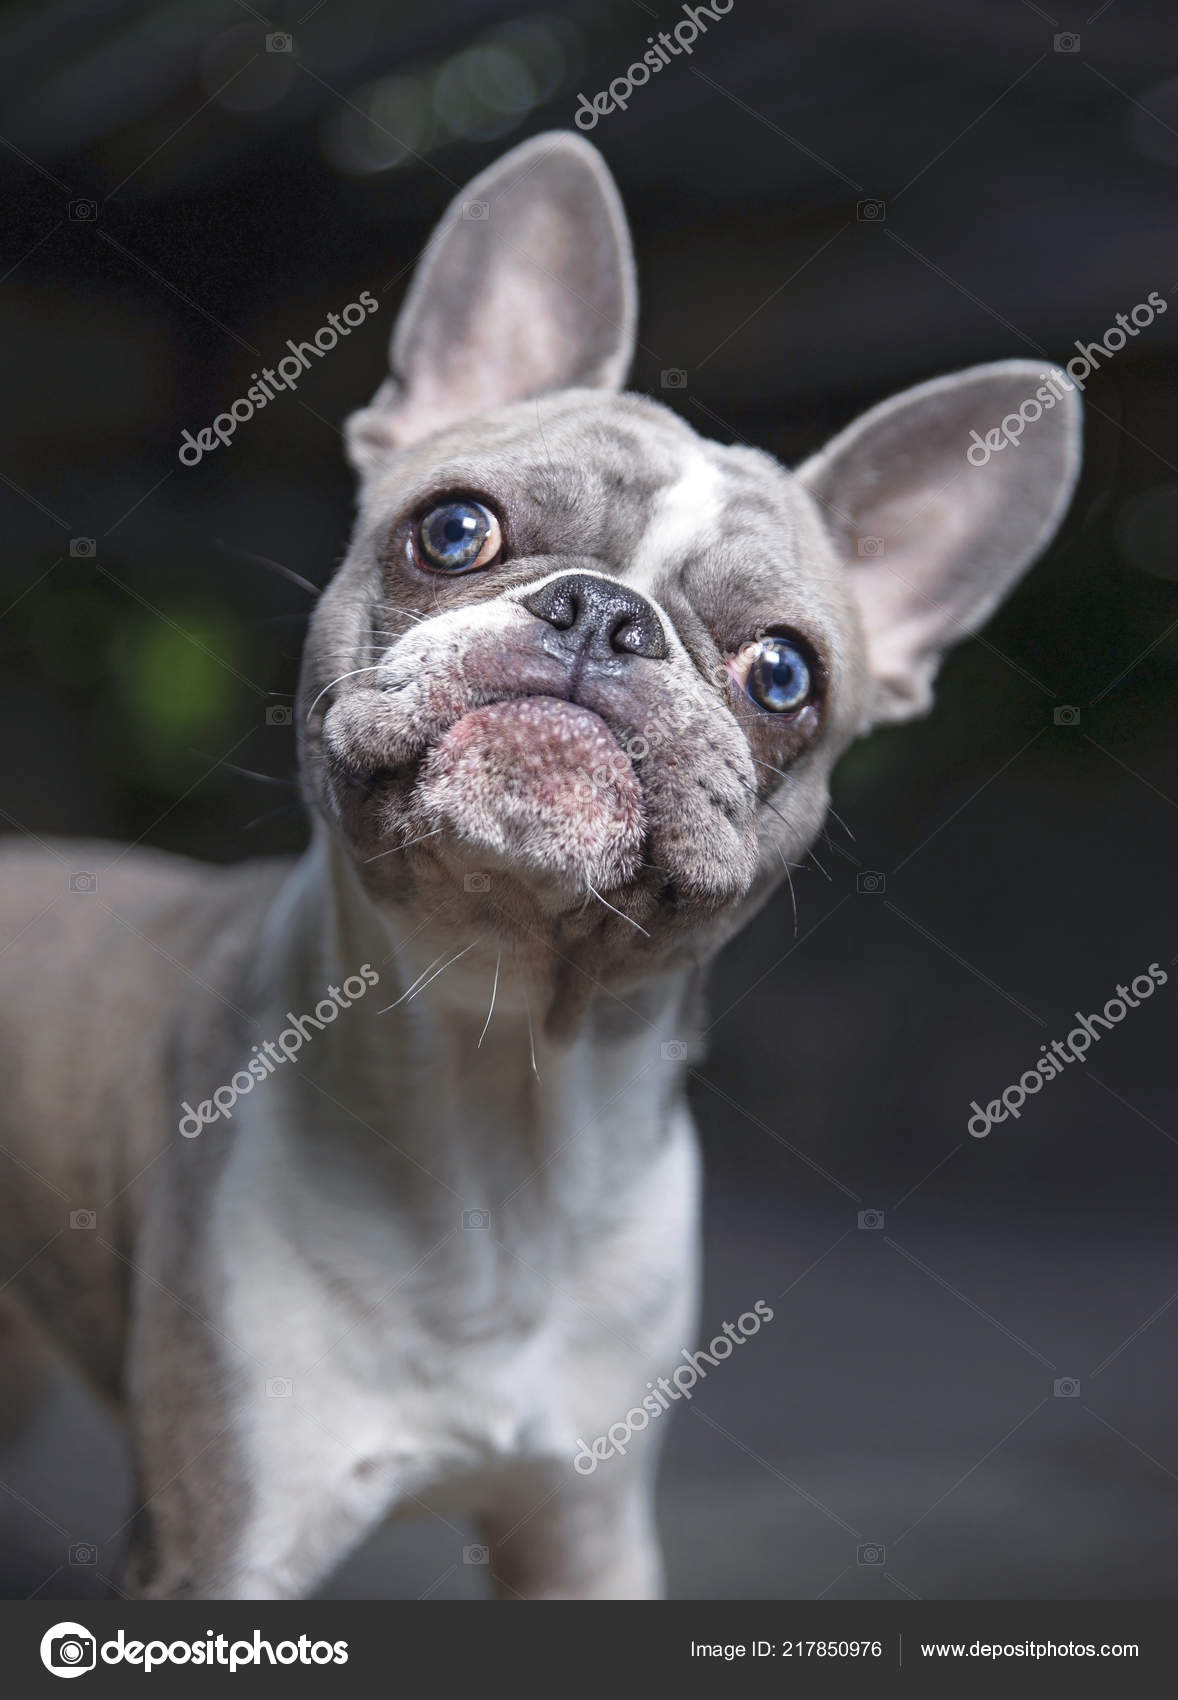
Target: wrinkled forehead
[{"x": 624, "y": 481}]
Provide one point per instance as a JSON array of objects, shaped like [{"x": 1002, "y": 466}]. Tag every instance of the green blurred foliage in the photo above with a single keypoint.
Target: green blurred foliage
[{"x": 175, "y": 696}]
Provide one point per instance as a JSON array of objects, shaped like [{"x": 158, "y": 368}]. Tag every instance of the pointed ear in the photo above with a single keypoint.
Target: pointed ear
[
  {"x": 526, "y": 286},
  {"x": 938, "y": 500}
]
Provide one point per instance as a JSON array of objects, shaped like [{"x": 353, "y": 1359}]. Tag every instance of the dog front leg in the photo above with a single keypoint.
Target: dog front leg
[
  {"x": 209, "y": 1530},
  {"x": 249, "y": 1486},
  {"x": 593, "y": 1539}
]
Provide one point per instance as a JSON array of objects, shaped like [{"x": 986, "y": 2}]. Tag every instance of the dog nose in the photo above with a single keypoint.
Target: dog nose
[{"x": 599, "y": 616}]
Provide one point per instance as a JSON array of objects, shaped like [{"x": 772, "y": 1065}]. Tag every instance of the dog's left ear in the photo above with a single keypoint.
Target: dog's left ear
[
  {"x": 526, "y": 286},
  {"x": 935, "y": 522}
]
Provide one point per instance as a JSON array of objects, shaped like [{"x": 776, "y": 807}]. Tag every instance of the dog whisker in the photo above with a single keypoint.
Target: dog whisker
[
  {"x": 838, "y": 849},
  {"x": 785, "y": 863},
  {"x": 782, "y": 774},
  {"x": 793, "y": 896},
  {"x": 621, "y": 912},
  {"x": 420, "y": 984},
  {"x": 399, "y": 847},
  {"x": 752, "y": 790},
  {"x": 531, "y": 1033},
  {"x": 817, "y": 864},
  {"x": 374, "y": 668},
  {"x": 443, "y": 968},
  {"x": 831, "y": 810},
  {"x": 274, "y": 567},
  {"x": 282, "y": 809},
  {"x": 491, "y": 1011},
  {"x": 266, "y": 778},
  {"x": 394, "y": 608},
  {"x": 413, "y": 987},
  {"x": 543, "y": 438}
]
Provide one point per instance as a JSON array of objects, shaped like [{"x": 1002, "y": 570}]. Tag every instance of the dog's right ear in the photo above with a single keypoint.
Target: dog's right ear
[{"x": 526, "y": 286}]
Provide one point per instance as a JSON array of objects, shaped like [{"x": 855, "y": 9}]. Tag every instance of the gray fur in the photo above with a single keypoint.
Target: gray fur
[{"x": 316, "y": 1235}]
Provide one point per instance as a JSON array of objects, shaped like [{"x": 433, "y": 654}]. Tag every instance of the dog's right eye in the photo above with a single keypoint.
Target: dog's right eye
[{"x": 456, "y": 537}]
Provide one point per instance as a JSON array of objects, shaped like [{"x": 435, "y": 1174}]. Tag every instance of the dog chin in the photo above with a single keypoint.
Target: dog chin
[
  {"x": 538, "y": 788},
  {"x": 538, "y": 794}
]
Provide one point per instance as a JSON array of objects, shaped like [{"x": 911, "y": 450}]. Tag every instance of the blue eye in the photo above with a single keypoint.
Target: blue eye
[
  {"x": 456, "y": 537},
  {"x": 779, "y": 677}
]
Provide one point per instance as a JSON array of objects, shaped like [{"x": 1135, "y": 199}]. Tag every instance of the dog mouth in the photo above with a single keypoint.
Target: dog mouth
[
  {"x": 536, "y": 784},
  {"x": 499, "y": 775}
]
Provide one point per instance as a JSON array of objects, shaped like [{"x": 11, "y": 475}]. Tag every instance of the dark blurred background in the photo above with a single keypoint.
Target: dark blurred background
[{"x": 828, "y": 203}]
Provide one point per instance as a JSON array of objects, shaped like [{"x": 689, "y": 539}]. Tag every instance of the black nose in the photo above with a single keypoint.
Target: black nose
[{"x": 599, "y": 616}]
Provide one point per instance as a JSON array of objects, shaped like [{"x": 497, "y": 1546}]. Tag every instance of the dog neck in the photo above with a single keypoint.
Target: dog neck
[{"x": 449, "y": 1058}]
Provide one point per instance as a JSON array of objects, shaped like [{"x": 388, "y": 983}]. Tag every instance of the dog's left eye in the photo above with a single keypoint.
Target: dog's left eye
[
  {"x": 456, "y": 537},
  {"x": 778, "y": 676}
]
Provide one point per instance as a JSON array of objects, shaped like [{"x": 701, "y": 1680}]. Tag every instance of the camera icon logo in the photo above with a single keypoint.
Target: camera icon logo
[
  {"x": 673, "y": 378},
  {"x": 1066, "y": 715},
  {"x": 674, "y": 1050},
  {"x": 476, "y": 1218},
  {"x": 83, "y": 1553},
  {"x": 1067, "y": 42},
  {"x": 83, "y": 212},
  {"x": 870, "y": 546},
  {"x": 84, "y": 882},
  {"x": 870, "y": 883},
  {"x": 83, "y": 548},
  {"x": 1067, "y": 1387},
  {"x": 870, "y": 1553},
  {"x": 83, "y": 1219},
  {"x": 477, "y": 882},
  {"x": 278, "y": 1387},
  {"x": 476, "y": 1555},
  {"x": 871, "y": 212},
  {"x": 279, "y": 716},
  {"x": 872, "y": 1220},
  {"x": 67, "y": 1649},
  {"x": 478, "y": 211},
  {"x": 280, "y": 42}
]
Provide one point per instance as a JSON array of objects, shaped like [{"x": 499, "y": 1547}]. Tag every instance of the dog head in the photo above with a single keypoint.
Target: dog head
[{"x": 583, "y": 675}]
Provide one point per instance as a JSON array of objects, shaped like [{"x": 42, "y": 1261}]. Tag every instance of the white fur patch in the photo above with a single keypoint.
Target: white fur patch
[{"x": 686, "y": 514}]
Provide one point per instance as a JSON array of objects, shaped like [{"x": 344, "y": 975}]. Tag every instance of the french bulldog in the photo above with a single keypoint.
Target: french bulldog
[{"x": 370, "y": 1180}]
